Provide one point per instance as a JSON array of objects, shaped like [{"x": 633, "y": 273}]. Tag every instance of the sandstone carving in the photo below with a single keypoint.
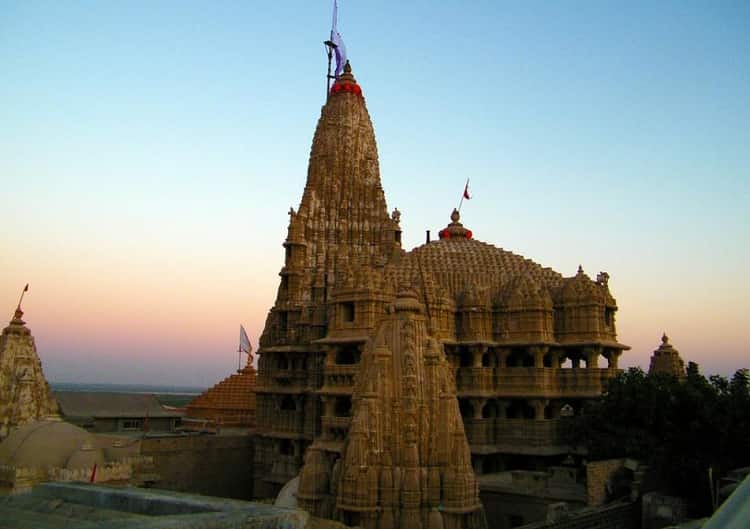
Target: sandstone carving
[
  {"x": 389, "y": 378},
  {"x": 25, "y": 395}
]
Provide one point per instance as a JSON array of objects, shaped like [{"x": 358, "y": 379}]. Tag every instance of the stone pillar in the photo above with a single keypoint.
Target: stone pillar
[
  {"x": 592, "y": 356},
  {"x": 502, "y": 357},
  {"x": 478, "y": 404},
  {"x": 538, "y": 352},
  {"x": 538, "y": 405},
  {"x": 614, "y": 358},
  {"x": 476, "y": 355},
  {"x": 328, "y": 404}
]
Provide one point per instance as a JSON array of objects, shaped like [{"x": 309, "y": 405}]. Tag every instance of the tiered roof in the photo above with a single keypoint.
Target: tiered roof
[{"x": 231, "y": 402}]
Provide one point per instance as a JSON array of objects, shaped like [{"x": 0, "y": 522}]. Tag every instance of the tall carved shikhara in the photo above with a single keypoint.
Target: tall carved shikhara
[{"x": 386, "y": 378}]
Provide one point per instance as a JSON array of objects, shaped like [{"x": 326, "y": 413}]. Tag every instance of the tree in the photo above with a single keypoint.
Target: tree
[{"x": 679, "y": 428}]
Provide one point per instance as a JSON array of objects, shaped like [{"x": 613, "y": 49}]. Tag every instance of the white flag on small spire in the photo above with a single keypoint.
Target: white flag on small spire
[
  {"x": 245, "y": 346},
  {"x": 340, "y": 49}
]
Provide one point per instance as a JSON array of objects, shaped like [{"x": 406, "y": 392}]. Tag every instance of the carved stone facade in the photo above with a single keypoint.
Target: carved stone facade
[
  {"x": 25, "y": 395},
  {"x": 666, "y": 359},
  {"x": 382, "y": 370}
]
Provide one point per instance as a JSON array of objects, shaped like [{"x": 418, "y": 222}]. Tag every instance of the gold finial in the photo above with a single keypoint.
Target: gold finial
[
  {"x": 664, "y": 338},
  {"x": 455, "y": 216},
  {"x": 347, "y": 67},
  {"x": 580, "y": 269}
]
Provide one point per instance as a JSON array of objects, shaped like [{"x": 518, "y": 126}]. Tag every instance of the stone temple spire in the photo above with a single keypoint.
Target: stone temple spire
[
  {"x": 24, "y": 393},
  {"x": 342, "y": 216},
  {"x": 666, "y": 359}
]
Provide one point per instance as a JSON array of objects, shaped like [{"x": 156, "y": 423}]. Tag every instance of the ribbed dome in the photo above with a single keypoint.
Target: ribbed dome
[
  {"x": 48, "y": 443},
  {"x": 457, "y": 262}
]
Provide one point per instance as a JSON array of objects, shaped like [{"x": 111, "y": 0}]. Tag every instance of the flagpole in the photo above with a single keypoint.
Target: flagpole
[
  {"x": 330, "y": 46},
  {"x": 463, "y": 195},
  {"x": 21, "y": 298}
]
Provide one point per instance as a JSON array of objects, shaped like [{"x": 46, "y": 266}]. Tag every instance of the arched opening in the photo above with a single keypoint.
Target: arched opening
[
  {"x": 547, "y": 360},
  {"x": 520, "y": 409},
  {"x": 466, "y": 357},
  {"x": 490, "y": 410},
  {"x": 282, "y": 362},
  {"x": 343, "y": 407},
  {"x": 287, "y": 403},
  {"x": 286, "y": 448},
  {"x": 466, "y": 408},
  {"x": 520, "y": 358}
]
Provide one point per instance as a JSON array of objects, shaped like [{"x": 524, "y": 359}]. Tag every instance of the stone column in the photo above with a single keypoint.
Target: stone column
[
  {"x": 538, "y": 405},
  {"x": 478, "y": 404},
  {"x": 538, "y": 352},
  {"x": 592, "y": 356},
  {"x": 476, "y": 355},
  {"x": 502, "y": 357},
  {"x": 614, "y": 358}
]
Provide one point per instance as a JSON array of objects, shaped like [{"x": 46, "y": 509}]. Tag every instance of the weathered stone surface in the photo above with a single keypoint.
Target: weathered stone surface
[{"x": 24, "y": 393}]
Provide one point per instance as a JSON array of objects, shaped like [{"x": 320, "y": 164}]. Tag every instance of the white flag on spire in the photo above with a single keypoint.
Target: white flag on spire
[
  {"x": 340, "y": 49},
  {"x": 245, "y": 346}
]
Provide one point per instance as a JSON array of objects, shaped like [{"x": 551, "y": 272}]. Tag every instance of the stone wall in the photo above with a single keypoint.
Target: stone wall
[
  {"x": 598, "y": 474},
  {"x": 215, "y": 465},
  {"x": 660, "y": 510},
  {"x": 613, "y": 516}
]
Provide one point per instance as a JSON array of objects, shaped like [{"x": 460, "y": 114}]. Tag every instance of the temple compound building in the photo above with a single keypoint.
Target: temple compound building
[
  {"x": 25, "y": 395},
  {"x": 388, "y": 379},
  {"x": 667, "y": 360}
]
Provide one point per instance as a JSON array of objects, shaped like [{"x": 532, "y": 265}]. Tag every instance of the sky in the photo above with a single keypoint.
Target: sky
[{"x": 150, "y": 151}]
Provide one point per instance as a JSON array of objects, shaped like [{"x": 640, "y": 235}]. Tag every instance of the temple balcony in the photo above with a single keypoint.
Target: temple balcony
[
  {"x": 532, "y": 382},
  {"x": 508, "y": 434},
  {"x": 339, "y": 379}
]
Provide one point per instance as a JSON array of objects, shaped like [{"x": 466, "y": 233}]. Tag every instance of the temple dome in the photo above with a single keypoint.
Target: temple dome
[
  {"x": 50, "y": 442},
  {"x": 459, "y": 260}
]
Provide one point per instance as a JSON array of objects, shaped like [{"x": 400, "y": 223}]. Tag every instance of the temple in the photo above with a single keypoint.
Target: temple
[
  {"x": 667, "y": 360},
  {"x": 25, "y": 395},
  {"x": 230, "y": 403},
  {"x": 388, "y": 379}
]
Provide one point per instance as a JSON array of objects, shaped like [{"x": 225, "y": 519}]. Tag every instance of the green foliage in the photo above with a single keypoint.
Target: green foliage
[{"x": 679, "y": 428}]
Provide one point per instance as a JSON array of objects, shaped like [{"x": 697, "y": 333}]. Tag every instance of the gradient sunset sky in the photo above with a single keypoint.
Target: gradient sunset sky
[{"x": 150, "y": 151}]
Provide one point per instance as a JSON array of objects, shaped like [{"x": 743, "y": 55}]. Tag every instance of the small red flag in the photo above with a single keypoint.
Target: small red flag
[
  {"x": 93, "y": 474},
  {"x": 466, "y": 191}
]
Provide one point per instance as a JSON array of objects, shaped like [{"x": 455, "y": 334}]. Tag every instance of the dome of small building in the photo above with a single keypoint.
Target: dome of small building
[
  {"x": 48, "y": 442},
  {"x": 580, "y": 288}
]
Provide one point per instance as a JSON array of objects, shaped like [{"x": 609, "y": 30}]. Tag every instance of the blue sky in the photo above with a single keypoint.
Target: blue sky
[{"x": 149, "y": 152}]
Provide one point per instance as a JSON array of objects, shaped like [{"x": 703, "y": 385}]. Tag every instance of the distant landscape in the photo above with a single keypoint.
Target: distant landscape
[{"x": 176, "y": 396}]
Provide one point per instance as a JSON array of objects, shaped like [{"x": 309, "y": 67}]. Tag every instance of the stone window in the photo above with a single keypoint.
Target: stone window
[
  {"x": 288, "y": 253},
  {"x": 347, "y": 355},
  {"x": 347, "y": 312},
  {"x": 283, "y": 320},
  {"x": 132, "y": 424},
  {"x": 467, "y": 359},
  {"x": 609, "y": 316}
]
